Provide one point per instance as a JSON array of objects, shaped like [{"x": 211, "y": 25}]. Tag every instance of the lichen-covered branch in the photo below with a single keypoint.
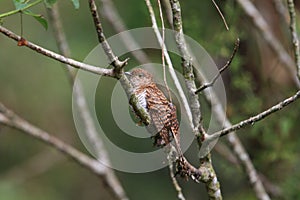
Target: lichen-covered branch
[
  {"x": 212, "y": 183},
  {"x": 186, "y": 63},
  {"x": 295, "y": 39}
]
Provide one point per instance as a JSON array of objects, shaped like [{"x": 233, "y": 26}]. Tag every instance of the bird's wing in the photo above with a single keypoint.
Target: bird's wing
[{"x": 160, "y": 112}]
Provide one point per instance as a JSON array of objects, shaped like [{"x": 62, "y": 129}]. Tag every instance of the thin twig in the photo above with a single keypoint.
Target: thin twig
[
  {"x": 256, "y": 118},
  {"x": 170, "y": 65},
  {"x": 58, "y": 57},
  {"x": 163, "y": 50},
  {"x": 210, "y": 84},
  {"x": 171, "y": 154},
  {"x": 295, "y": 39},
  {"x": 261, "y": 24},
  {"x": 113, "y": 59},
  {"x": 221, "y": 14},
  {"x": 20, "y": 10},
  {"x": 82, "y": 106}
]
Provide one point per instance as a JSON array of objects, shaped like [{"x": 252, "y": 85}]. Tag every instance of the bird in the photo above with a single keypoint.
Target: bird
[{"x": 164, "y": 125}]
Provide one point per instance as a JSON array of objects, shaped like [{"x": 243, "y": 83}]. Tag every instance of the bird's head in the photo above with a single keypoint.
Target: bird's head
[{"x": 139, "y": 77}]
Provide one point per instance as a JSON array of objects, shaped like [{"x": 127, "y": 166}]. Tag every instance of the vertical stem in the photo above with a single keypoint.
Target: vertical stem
[
  {"x": 212, "y": 183},
  {"x": 295, "y": 40}
]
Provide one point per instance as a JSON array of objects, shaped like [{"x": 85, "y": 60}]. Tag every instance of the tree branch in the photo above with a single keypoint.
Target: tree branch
[
  {"x": 118, "y": 66},
  {"x": 210, "y": 84},
  {"x": 186, "y": 63},
  {"x": 295, "y": 40},
  {"x": 9, "y": 118},
  {"x": 102, "y": 40},
  {"x": 256, "y": 118},
  {"x": 20, "y": 10},
  {"x": 171, "y": 157},
  {"x": 58, "y": 57},
  {"x": 212, "y": 183},
  {"x": 221, "y": 14}
]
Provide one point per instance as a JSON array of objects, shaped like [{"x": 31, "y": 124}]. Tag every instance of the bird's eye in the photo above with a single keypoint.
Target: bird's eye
[{"x": 141, "y": 75}]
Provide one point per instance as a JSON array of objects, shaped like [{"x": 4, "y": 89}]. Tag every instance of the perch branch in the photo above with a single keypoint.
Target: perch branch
[{"x": 118, "y": 66}]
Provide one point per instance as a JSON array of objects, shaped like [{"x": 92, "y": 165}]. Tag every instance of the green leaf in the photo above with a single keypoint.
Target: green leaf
[
  {"x": 20, "y": 4},
  {"x": 49, "y": 3},
  {"x": 38, "y": 17},
  {"x": 76, "y": 3}
]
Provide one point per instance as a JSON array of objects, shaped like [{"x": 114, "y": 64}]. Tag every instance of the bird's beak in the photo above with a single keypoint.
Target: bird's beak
[{"x": 128, "y": 74}]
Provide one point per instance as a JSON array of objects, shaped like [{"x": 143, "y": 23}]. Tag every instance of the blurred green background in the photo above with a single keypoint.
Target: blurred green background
[{"x": 37, "y": 88}]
